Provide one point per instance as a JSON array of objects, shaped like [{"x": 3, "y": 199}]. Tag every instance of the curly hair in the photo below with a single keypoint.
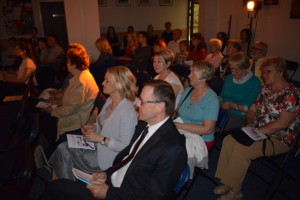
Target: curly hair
[{"x": 77, "y": 56}]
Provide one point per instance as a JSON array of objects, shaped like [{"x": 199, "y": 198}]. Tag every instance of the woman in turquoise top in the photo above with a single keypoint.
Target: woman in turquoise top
[
  {"x": 199, "y": 110},
  {"x": 240, "y": 90}
]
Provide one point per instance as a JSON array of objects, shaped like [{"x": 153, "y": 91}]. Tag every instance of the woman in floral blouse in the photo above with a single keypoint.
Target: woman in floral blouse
[{"x": 275, "y": 113}]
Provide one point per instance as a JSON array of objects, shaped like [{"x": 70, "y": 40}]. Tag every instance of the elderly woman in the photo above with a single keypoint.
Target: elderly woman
[
  {"x": 240, "y": 90},
  {"x": 105, "y": 60},
  {"x": 215, "y": 57},
  {"x": 232, "y": 47},
  {"x": 161, "y": 64},
  {"x": 79, "y": 96},
  {"x": 199, "y": 110},
  {"x": 275, "y": 113},
  {"x": 112, "y": 131},
  {"x": 198, "y": 48}
]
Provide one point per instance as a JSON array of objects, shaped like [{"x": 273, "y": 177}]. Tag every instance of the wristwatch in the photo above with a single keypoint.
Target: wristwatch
[{"x": 103, "y": 141}]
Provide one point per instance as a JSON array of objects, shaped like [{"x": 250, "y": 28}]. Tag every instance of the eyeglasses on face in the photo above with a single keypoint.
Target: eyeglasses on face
[{"x": 145, "y": 101}]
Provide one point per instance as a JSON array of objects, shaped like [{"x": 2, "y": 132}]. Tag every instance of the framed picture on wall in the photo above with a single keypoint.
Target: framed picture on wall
[
  {"x": 102, "y": 3},
  {"x": 144, "y": 2},
  {"x": 271, "y": 2},
  {"x": 123, "y": 2},
  {"x": 165, "y": 2}
]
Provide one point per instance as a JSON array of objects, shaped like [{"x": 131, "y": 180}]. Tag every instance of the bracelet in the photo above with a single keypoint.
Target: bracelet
[{"x": 236, "y": 106}]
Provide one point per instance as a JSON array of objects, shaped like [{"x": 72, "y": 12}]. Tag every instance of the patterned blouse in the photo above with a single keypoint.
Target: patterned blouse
[{"x": 269, "y": 106}]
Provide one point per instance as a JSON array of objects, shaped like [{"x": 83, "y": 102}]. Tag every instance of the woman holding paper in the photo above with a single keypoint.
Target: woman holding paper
[
  {"x": 78, "y": 98},
  {"x": 112, "y": 131},
  {"x": 275, "y": 113}
]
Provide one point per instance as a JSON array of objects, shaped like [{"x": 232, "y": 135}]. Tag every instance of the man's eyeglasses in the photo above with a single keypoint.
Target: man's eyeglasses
[{"x": 145, "y": 101}]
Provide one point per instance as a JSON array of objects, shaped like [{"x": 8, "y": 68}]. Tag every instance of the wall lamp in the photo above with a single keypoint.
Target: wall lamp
[{"x": 254, "y": 5}]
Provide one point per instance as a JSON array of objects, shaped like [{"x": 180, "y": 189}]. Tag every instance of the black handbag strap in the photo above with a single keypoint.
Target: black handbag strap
[
  {"x": 186, "y": 96},
  {"x": 264, "y": 144}
]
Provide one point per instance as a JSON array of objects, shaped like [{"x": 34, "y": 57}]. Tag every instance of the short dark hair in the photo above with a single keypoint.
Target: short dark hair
[
  {"x": 168, "y": 24},
  {"x": 163, "y": 92},
  {"x": 53, "y": 36},
  {"x": 77, "y": 56},
  {"x": 144, "y": 34},
  {"x": 235, "y": 43}
]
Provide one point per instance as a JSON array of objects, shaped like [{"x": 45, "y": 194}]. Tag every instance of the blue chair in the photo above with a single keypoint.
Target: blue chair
[
  {"x": 183, "y": 179},
  {"x": 221, "y": 123}
]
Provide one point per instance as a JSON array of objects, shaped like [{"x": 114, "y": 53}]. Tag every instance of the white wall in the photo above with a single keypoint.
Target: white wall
[
  {"x": 140, "y": 16},
  {"x": 273, "y": 25},
  {"x": 83, "y": 27}
]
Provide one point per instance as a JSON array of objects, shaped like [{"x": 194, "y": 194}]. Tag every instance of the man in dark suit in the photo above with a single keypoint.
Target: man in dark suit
[{"x": 156, "y": 166}]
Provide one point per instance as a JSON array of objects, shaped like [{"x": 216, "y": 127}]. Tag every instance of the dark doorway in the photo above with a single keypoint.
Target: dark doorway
[{"x": 54, "y": 21}]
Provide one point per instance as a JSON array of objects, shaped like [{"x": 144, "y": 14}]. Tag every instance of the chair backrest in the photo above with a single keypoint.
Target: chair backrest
[
  {"x": 223, "y": 119},
  {"x": 183, "y": 178},
  {"x": 292, "y": 66}
]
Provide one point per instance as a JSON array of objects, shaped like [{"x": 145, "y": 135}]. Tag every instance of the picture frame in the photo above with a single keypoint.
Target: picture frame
[
  {"x": 271, "y": 2},
  {"x": 144, "y": 2},
  {"x": 102, "y": 3},
  {"x": 166, "y": 2},
  {"x": 123, "y": 2}
]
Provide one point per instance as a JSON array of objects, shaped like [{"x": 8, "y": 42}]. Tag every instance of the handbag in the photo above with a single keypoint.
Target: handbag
[{"x": 241, "y": 137}]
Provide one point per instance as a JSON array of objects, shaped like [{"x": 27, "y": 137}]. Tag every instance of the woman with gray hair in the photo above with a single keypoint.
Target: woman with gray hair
[
  {"x": 215, "y": 57},
  {"x": 199, "y": 105},
  {"x": 240, "y": 90}
]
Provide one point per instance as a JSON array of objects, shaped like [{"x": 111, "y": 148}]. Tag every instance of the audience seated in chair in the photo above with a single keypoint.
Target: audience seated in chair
[
  {"x": 113, "y": 40},
  {"x": 142, "y": 54},
  {"x": 130, "y": 48},
  {"x": 105, "y": 61},
  {"x": 74, "y": 108},
  {"x": 152, "y": 37},
  {"x": 111, "y": 133},
  {"x": 162, "y": 61},
  {"x": 223, "y": 37},
  {"x": 156, "y": 156},
  {"x": 173, "y": 45},
  {"x": 167, "y": 35},
  {"x": 240, "y": 90},
  {"x": 258, "y": 52},
  {"x": 232, "y": 47},
  {"x": 215, "y": 57},
  {"x": 275, "y": 113},
  {"x": 13, "y": 82},
  {"x": 199, "y": 110},
  {"x": 198, "y": 48}
]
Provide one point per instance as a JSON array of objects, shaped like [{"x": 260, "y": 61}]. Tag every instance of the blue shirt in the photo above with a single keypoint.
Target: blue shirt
[{"x": 206, "y": 108}]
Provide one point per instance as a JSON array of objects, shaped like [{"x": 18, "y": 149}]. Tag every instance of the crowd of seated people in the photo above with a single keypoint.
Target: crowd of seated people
[{"x": 239, "y": 91}]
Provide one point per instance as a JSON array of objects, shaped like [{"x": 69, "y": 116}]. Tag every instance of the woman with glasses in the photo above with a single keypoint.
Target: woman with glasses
[
  {"x": 112, "y": 131},
  {"x": 240, "y": 90}
]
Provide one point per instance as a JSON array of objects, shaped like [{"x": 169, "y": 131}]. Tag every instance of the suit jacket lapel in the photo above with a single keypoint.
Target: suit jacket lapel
[{"x": 152, "y": 140}]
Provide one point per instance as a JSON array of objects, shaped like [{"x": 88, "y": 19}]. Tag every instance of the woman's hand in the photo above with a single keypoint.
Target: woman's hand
[
  {"x": 48, "y": 109},
  {"x": 86, "y": 128},
  {"x": 228, "y": 105}
]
